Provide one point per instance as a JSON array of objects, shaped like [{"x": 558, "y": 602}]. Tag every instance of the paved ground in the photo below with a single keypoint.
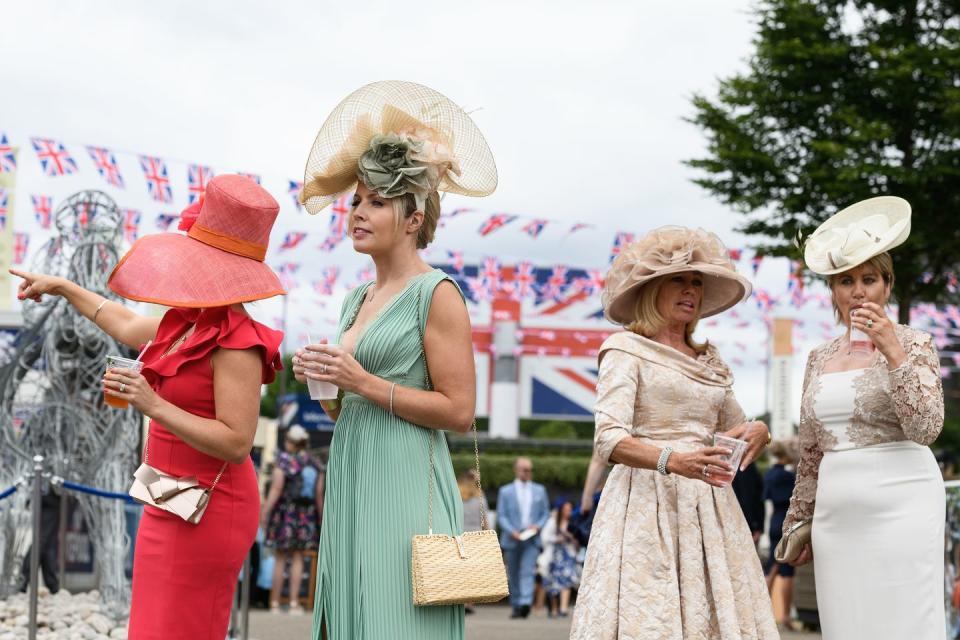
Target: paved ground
[{"x": 489, "y": 623}]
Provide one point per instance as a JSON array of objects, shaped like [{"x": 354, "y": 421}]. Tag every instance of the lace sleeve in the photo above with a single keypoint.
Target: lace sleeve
[
  {"x": 917, "y": 391},
  {"x": 616, "y": 398},
  {"x": 808, "y": 468}
]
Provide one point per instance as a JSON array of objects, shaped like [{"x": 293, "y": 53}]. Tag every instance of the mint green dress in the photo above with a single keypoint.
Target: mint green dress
[{"x": 376, "y": 490}]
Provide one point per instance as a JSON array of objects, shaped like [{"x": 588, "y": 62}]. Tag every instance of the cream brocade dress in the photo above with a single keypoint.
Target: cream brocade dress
[
  {"x": 873, "y": 488},
  {"x": 670, "y": 558}
]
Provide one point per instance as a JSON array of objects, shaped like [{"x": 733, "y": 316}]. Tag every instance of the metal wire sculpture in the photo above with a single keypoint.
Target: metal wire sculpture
[{"x": 51, "y": 402}]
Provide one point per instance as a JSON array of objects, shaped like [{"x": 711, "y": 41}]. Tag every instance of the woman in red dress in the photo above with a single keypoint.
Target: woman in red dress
[{"x": 200, "y": 387}]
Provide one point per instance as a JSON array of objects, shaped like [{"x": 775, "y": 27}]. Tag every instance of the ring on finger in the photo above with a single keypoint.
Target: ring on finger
[
  {"x": 706, "y": 471},
  {"x": 123, "y": 386},
  {"x": 870, "y": 324},
  {"x": 324, "y": 370}
]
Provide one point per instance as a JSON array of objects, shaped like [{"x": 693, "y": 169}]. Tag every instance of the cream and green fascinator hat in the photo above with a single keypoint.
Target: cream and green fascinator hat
[
  {"x": 665, "y": 251},
  {"x": 854, "y": 235},
  {"x": 398, "y": 138}
]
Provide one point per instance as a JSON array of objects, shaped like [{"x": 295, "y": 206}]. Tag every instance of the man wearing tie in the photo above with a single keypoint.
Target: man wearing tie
[{"x": 522, "y": 510}]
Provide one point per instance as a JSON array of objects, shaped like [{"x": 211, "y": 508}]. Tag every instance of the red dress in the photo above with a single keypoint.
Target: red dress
[{"x": 184, "y": 574}]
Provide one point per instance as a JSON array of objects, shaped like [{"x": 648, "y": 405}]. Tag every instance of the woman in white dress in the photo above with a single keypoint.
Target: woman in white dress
[
  {"x": 866, "y": 477},
  {"x": 670, "y": 554}
]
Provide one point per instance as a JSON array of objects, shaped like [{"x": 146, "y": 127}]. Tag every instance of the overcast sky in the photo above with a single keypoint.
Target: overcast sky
[{"x": 582, "y": 103}]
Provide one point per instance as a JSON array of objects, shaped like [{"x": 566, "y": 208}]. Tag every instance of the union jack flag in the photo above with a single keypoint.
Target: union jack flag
[
  {"x": 755, "y": 263},
  {"x": 251, "y": 176},
  {"x": 339, "y": 219},
  {"x": 197, "y": 178},
  {"x": 3, "y": 209},
  {"x": 525, "y": 279},
  {"x": 620, "y": 240},
  {"x": 292, "y": 239},
  {"x": 158, "y": 180},
  {"x": 764, "y": 300},
  {"x": 456, "y": 259},
  {"x": 494, "y": 222},
  {"x": 131, "y": 224},
  {"x": 491, "y": 272},
  {"x": 286, "y": 272},
  {"x": 479, "y": 290},
  {"x": 325, "y": 285},
  {"x": 534, "y": 227},
  {"x": 449, "y": 215},
  {"x": 43, "y": 210},
  {"x": 367, "y": 273},
  {"x": 735, "y": 254},
  {"x": 106, "y": 164},
  {"x": 579, "y": 226},
  {"x": 54, "y": 157},
  {"x": 553, "y": 289},
  {"x": 164, "y": 220},
  {"x": 8, "y": 159},
  {"x": 294, "y": 190},
  {"x": 84, "y": 214},
  {"x": 592, "y": 284},
  {"x": 21, "y": 241}
]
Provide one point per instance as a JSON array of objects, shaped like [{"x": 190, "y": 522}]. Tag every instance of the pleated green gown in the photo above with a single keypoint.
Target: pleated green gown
[{"x": 376, "y": 490}]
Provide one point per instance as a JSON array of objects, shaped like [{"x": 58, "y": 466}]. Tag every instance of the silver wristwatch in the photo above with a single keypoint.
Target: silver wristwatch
[{"x": 662, "y": 462}]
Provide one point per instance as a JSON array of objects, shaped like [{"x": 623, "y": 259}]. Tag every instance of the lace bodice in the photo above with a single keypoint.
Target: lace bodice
[{"x": 905, "y": 403}]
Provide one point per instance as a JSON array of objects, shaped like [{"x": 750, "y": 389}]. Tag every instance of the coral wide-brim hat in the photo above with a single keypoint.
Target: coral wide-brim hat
[
  {"x": 394, "y": 107},
  {"x": 853, "y": 235},
  {"x": 220, "y": 260},
  {"x": 666, "y": 251}
]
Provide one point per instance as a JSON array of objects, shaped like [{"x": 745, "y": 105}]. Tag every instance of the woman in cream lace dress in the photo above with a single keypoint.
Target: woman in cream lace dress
[
  {"x": 866, "y": 475},
  {"x": 670, "y": 554}
]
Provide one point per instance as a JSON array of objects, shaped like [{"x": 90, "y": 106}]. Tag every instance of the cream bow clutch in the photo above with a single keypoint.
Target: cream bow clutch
[
  {"x": 793, "y": 541},
  {"x": 181, "y": 496}
]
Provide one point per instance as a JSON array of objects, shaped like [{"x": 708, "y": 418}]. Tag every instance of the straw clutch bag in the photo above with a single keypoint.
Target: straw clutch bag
[{"x": 459, "y": 569}]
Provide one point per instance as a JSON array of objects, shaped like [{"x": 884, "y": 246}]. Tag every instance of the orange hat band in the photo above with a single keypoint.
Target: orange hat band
[{"x": 228, "y": 243}]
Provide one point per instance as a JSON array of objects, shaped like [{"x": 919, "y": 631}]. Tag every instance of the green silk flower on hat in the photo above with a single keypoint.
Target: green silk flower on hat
[{"x": 390, "y": 167}]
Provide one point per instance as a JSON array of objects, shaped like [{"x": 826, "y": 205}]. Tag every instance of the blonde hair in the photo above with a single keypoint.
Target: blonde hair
[
  {"x": 647, "y": 319},
  {"x": 467, "y": 483},
  {"x": 404, "y": 206},
  {"x": 883, "y": 264}
]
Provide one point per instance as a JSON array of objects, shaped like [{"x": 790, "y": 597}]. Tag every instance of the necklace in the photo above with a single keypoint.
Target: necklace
[{"x": 173, "y": 347}]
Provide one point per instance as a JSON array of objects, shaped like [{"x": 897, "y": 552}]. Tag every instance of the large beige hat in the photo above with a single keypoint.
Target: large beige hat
[
  {"x": 396, "y": 108},
  {"x": 669, "y": 250},
  {"x": 854, "y": 235}
]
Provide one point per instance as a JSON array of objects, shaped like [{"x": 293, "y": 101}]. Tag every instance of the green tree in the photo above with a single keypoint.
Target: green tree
[{"x": 843, "y": 100}]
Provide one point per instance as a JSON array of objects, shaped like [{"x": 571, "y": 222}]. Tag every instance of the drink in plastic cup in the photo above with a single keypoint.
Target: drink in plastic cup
[
  {"x": 321, "y": 390},
  {"x": 860, "y": 342},
  {"x": 737, "y": 449},
  {"x": 116, "y": 362}
]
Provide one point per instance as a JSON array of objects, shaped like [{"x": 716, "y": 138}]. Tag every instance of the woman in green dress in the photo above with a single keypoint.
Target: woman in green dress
[{"x": 394, "y": 146}]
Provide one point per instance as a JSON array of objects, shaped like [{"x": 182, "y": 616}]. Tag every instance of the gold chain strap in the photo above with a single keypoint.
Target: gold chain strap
[{"x": 476, "y": 446}]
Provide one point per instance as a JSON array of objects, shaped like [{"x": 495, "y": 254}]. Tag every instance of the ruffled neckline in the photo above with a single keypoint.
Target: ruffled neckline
[
  {"x": 214, "y": 327},
  {"x": 707, "y": 368}
]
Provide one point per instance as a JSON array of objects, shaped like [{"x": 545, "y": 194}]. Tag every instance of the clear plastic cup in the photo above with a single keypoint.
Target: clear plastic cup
[
  {"x": 860, "y": 342},
  {"x": 320, "y": 389},
  {"x": 736, "y": 447},
  {"x": 117, "y": 362}
]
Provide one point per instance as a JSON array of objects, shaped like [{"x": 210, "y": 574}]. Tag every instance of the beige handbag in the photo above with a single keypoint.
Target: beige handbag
[
  {"x": 793, "y": 541},
  {"x": 183, "y": 496},
  {"x": 456, "y": 569}
]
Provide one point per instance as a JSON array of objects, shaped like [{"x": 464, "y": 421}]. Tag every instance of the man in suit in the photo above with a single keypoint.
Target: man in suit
[{"x": 522, "y": 510}]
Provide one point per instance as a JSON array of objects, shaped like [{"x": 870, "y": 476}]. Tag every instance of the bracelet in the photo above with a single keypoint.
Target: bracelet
[
  {"x": 97, "y": 312},
  {"x": 392, "y": 387},
  {"x": 662, "y": 461}
]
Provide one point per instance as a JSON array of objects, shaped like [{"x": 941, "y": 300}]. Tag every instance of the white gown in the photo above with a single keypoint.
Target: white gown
[{"x": 878, "y": 530}]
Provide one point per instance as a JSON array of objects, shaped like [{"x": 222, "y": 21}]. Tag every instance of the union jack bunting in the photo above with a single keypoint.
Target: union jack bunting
[
  {"x": 106, "y": 164},
  {"x": 54, "y": 157},
  {"x": 294, "y": 191},
  {"x": 755, "y": 263},
  {"x": 491, "y": 272},
  {"x": 478, "y": 290},
  {"x": 579, "y": 226},
  {"x": 286, "y": 272},
  {"x": 43, "y": 210},
  {"x": 525, "y": 278},
  {"x": 494, "y": 222},
  {"x": 619, "y": 241},
  {"x": 735, "y": 254},
  {"x": 158, "y": 180},
  {"x": 4, "y": 198},
  {"x": 21, "y": 241},
  {"x": 197, "y": 178},
  {"x": 367, "y": 273},
  {"x": 534, "y": 227},
  {"x": 250, "y": 176},
  {"x": 339, "y": 219},
  {"x": 456, "y": 259},
  {"x": 292, "y": 239},
  {"x": 131, "y": 224},
  {"x": 553, "y": 289},
  {"x": 325, "y": 285},
  {"x": 164, "y": 220},
  {"x": 449, "y": 215},
  {"x": 592, "y": 284},
  {"x": 8, "y": 159}
]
